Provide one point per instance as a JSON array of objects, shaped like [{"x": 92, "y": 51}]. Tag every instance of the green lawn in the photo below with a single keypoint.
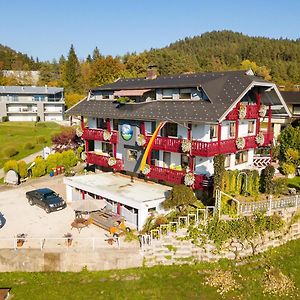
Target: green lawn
[
  {"x": 17, "y": 134},
  {"x": 169, "y": 282},
  {"x": 294, "y": 182}
]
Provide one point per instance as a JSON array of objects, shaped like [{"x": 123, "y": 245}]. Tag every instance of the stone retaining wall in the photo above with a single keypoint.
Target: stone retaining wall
[
  {"x": 172, "y": 250},
  {"x": 34, "y": 260}
]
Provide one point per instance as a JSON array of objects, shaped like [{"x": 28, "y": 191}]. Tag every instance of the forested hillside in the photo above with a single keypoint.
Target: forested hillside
[
  {"x": 273, "y": 59},
  {"x": 12, "y": 60}
]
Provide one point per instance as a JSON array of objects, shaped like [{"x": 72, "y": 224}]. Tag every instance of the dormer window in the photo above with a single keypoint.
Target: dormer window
[
  {"x": 185, "y": 94},
  {"x": 105, "y": 96},
  {"x": 167, "y": 94}
]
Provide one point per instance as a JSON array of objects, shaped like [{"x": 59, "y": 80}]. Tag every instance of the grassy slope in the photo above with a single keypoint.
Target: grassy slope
[
  {"x": 170, "y": 282},
  {"x": 17, "y": 134}
]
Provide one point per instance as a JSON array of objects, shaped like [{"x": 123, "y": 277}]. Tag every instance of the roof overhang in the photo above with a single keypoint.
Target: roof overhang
[
  {"x": 128, "y": 93},
  {"x": 269, "y": 88}
]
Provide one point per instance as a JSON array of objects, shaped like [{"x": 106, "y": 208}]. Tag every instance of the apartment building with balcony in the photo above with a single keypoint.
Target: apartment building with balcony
[
  {"x": 30, "y": 103},
  {"x": 178, "y": 124}
]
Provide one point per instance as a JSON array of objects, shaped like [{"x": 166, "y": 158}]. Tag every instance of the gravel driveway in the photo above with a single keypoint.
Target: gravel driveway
[{"x": 20, "y": 217}]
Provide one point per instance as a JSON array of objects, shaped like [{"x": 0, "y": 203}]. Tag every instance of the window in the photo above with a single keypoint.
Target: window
[
  {"x": 105, "y": 96},
  {"x": 251, "y": 126},
  {"x": 167, "y": 159},
  {"x": 241, "y": 157},
  {"x": 107, "y": 148},
  {"x": 170, "y": 129},
  {"x": 154, "y": 157},
  {"x": 184, "y": 161},
  {"x": 115, "y": 124},
  {"x": 101, "y": 123},
  {"x": 167, "y": 94},
  {"x": 38, "y": 98},
  {"x": 184, "y": 94},
  {"x": 131, "y": 155},
  {"x": 213, "y": 131},
  {"x": 227, "y": 161},
  {"x": 296, "y": 109},
  {"x": 232, "y": 129}
]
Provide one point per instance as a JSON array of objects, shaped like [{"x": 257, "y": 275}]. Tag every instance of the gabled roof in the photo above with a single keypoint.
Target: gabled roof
[
  {"x": 32, "y": 90},
  {"x": 291, "y": 97},
  {"x": 222, "y": 89}
]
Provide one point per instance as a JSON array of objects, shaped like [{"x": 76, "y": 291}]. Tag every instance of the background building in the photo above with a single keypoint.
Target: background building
[{"x": 32, "y": 103}]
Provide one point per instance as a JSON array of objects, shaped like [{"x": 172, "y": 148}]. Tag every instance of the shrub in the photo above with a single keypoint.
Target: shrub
[
  {"x": 22, "y": 166},
  {"x": 292, "y": 156},
  {"x": 53, "y": 160},
  {"x": 161, "y": 220},
  {"x": 280, "y": 186},
  {"x": 39, "y": 169},
  {"x": 180, "y": 197},
  {"x": 28, "y": 146},
  {"x": 5, "y": 119},
  {"x": 11, "y": 151},
  {"x": 11, "y": 165},
  {"x": 69, "y": 159},
  {"x": 288, "y": 169},
  {"x": 266, "y": 177},
  {"x": 40, "y": 140}
]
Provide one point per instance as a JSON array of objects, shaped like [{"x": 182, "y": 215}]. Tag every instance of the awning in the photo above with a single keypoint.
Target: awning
[
  {"x": 123, "y": 93},
  {"x": 88, "y": 205}
]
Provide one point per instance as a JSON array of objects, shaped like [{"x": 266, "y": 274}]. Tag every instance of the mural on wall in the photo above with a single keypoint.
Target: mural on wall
[{"x": 126, "y": 132}]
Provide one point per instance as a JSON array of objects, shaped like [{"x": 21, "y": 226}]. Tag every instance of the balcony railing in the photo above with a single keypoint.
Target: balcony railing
[
  {"x": 166, "y": 143},
  {"x": 251, "y": 112},
  {"x": 206, "y": 149},
  {"x": 174, "y": 176},
  {"x": 97, "y": 135},
  {"x": 102, "y": 160}
]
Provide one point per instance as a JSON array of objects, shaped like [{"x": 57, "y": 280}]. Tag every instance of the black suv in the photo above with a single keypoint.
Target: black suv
[{"x": 46, "y": 199}]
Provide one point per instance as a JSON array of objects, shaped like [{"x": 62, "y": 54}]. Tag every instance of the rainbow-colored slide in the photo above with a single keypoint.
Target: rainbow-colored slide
[{"x": 150, "y": 145}]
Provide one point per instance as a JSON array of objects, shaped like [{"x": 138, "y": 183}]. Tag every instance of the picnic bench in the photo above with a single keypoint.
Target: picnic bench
[{"x": 80, "y": 223}]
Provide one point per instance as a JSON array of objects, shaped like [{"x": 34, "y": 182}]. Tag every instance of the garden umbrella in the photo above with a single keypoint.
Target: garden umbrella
[{"x": 88, "y": 205}]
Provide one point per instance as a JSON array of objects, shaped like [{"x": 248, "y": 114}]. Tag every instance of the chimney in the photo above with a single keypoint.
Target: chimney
[{"x": 151, "y": 73}]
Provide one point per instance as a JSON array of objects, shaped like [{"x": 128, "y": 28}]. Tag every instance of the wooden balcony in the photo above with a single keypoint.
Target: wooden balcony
[
  {"x": 251, "y": 112},
  {"x": 169, "y": 144},
  {"x": 102, "y": 160},
  {"x": 174, "y": 176},
  {"x": 206, "y": 149},
  {"x": 97, "y": 135}
]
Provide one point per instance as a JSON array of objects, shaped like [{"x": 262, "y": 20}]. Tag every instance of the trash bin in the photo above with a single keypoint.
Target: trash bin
[
  {"x": 58, "y": 169},
  {"x": 51, "y": 173}
]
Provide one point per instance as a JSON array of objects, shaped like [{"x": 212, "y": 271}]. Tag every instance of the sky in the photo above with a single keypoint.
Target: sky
[{"x": 46, "y": 28}]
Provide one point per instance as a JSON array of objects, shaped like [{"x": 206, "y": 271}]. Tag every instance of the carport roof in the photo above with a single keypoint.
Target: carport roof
[{"x": 119, "y": 188}]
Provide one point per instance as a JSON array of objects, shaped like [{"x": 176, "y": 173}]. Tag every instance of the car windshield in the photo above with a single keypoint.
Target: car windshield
[{"x": 50, "y": 195}]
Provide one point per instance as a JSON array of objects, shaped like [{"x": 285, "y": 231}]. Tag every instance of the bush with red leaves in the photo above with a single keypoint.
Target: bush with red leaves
[{"x": 66, "y": 139}]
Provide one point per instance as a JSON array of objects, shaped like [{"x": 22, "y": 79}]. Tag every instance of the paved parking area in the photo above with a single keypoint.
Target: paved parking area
[{"x": 20, "y": 217}]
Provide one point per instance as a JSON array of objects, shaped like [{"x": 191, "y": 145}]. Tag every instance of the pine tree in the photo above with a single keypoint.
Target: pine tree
[{"x": 72, "y": 77}]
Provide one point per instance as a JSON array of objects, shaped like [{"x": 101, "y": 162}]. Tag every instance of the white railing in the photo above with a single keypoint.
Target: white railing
[
  {"x": 269, "y": 205},
  {"x": 43, "y": 243},
  {"x": 261, "y": 161}
]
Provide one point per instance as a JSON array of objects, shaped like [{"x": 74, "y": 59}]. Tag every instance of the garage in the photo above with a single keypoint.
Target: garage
[{"x": 133, "y": 199}]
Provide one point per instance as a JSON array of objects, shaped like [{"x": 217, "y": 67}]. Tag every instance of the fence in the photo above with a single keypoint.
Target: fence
[
  {"x": 269, "y": 205},
  {"x": 196, "y": 218},
  {"x": 58, "y": 243}
]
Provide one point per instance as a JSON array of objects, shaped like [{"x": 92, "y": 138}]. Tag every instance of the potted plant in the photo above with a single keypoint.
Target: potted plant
[
  {"x": 69, "y": 238},
  {"x": 20, "y": 239}
]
